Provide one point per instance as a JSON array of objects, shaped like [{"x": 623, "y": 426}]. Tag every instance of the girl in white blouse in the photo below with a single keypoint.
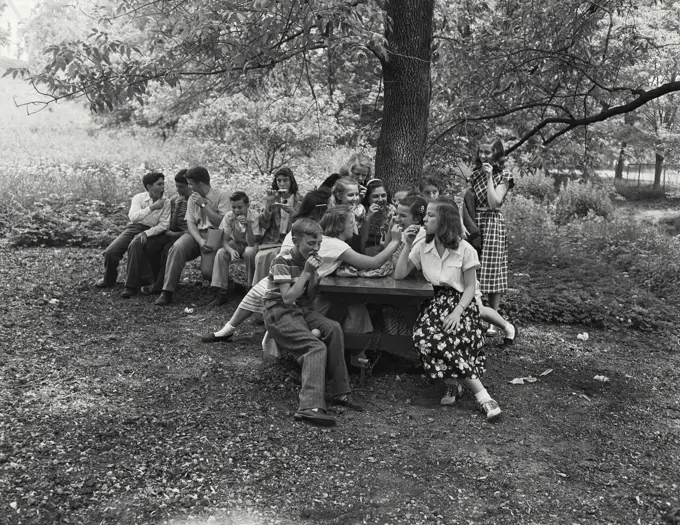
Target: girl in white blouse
[{"x": 448, "y": 331}]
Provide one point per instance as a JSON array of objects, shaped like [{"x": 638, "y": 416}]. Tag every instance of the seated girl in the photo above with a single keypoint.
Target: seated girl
[
  {"x": 338, "y": 227},
  {"x": 379, "y": 215},
  {"x": 346, "y": 191},
  {"x": 283, "y": 201}
]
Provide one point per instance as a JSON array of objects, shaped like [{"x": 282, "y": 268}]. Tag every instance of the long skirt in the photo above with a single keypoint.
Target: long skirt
[
  {"x": 493, "y": 275},
  {"x": 459, "y": 354}
]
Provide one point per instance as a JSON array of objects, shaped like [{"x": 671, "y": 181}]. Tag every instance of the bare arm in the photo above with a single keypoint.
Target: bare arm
[{"x": 365, "y": 262}]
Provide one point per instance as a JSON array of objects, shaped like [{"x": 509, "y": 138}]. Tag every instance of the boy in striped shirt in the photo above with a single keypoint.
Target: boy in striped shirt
[{"x": 290, "y": 319}]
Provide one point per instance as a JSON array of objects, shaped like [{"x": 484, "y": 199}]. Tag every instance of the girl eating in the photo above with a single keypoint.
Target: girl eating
[{"x": 379, "y": 214}]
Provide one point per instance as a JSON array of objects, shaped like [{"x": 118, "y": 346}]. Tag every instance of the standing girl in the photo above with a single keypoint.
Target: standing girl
[
  {"x": 448, "y": 331},
  {"x": 379, "y": 214},
  {"x": 346, "y": 192},
  {"x": 358, "y": 167},
  {"x": 491, "y": 183},
  {"x": 283, "y": 201}
]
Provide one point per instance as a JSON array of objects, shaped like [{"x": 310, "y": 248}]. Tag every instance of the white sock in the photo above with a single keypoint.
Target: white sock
[
  {"x": 226, "y": 330},
  {"x": 509, "y": 331},
  {"x": 483, "y": 396}
]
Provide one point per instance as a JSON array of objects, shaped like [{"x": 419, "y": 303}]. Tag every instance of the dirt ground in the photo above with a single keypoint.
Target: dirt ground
[{"x": 114, "y": 412}]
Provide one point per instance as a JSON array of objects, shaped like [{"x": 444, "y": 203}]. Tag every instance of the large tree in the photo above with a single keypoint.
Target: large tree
[{"x": 539, "y": 69}]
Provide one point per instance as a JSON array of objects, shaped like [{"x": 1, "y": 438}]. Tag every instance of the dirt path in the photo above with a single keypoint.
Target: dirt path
[{"x": 114, "y": 413}]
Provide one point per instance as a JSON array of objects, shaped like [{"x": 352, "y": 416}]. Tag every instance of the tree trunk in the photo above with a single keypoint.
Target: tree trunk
[
  {"x": 658, "y": 169},
  {"x": 406, "y": 77},
  {"x": 618, "y": 171}
]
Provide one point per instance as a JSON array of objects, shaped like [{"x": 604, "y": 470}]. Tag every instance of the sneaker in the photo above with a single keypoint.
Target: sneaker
[
  {"x": 220, "y": 299},
  {"x": 164, "y": 299},
  {"x": 453, "y": 392},
  {"x": 350, "y": 400},
  {"x": 104, "y": 284},
  {"x": 149, "y": 290},
  {"x": 491, "y": 409}
]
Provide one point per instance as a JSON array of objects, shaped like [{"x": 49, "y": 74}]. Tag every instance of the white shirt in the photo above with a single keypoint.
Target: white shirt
[
  {"x": 448, "y": 269},
  {"x": 141, "y": 213}
]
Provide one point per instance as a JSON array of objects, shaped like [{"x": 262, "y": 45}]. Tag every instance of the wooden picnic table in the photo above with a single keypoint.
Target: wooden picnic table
[{"x": 406, "y": 294}]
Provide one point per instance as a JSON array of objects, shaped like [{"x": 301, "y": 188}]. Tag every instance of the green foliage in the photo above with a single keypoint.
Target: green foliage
[
  {"x": 535, "y": 185},
  {"x": 580, "y": 199},
  {"x": 644, "y": 192},
  {"x": 591, "y": 271}
]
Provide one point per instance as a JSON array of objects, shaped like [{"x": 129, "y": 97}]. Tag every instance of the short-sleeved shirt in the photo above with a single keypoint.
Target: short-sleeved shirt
[
  {"x": 285, "y": 268},
  {"x": 478, "y": 182},
  {"x": 330, "y": 252},
  {"x": 217, "y": 200},
  {"x": 448, "y": 269},
  {"x": 235, "y": 230}
]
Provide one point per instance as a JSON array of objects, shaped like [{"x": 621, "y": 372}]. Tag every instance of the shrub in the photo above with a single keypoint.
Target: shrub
[
  {"x": 536, "y": 185},
  {"x": 632, "y": 192},
  {"x": 577, "y": 200}
]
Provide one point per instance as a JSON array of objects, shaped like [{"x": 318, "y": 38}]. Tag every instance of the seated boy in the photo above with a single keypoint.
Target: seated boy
[
  {"x": 149, "y": 217},
  {"x": 290, "y": 320},
  {"x": 241, "y": 235}
]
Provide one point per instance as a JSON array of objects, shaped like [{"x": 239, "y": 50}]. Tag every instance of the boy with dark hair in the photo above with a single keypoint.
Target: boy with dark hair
[
  {"x": 241, "y": 234},
  {"x": 206, "y": 208},
  {"x": 149, "y": 217},
  {"x": 290, "y": 319},
  {"x": 178, "y": 226}
]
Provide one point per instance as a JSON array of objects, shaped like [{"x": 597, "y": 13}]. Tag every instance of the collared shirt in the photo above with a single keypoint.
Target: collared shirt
[
  {"x": 217, "y": 201},
  {"x": 448, "y": 269},
  {"x": 141, "y": 213},
  {"x": 233, "y": 229},
  {"x": 178, "y": 220}
]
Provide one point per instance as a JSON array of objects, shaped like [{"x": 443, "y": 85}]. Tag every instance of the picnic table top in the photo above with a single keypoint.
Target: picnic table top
[{"x": 382, "y": 286}]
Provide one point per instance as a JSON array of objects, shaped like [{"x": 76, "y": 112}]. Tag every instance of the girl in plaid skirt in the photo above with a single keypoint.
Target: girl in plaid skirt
[{"x": 491, "y": 183}]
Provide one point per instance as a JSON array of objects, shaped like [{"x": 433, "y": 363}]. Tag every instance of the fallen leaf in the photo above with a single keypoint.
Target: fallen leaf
[
  {"x": 604, "y": 379},
  {"x": 188, "y": 310},
  {"x": 522, "y": 380},
  {"x": 546, "y": 372}
]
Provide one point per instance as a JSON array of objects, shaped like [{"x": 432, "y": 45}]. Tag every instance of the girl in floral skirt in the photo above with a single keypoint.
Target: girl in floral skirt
[{"x": 448, "y": 331}]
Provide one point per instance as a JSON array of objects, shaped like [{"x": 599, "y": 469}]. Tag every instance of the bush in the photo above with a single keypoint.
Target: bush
[
  {"x": 530, "y": 227},
  {"x": 578, "y": 200},
  {"x": 536, "y": 185},
  {"x": 632, "y": 192}
]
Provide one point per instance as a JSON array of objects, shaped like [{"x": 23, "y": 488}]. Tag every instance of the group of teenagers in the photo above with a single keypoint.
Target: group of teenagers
[{"x": 351, "y": 225}]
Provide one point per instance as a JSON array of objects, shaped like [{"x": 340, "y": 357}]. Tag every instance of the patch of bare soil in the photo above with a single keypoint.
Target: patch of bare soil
[{"x": 114, "y": 412}]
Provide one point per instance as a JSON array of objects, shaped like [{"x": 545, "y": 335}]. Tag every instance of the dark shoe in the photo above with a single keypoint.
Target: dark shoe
[
  {"x": 212, "y": 338},
  {"x": 220, "y": 299},
  {"x": 128, "y": 292},
  {"x": 350, "y": 400},
  {"x": 510, "y": 335},
  {"x": 315, "y": 416},
  {"x": 149, "y": 290},
  {"x": 104, "y": 284},
  {"x": 164, "y": 299}
]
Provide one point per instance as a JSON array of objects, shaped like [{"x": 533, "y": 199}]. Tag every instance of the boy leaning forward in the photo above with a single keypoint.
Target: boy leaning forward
[{"x": 289, "y": 318}]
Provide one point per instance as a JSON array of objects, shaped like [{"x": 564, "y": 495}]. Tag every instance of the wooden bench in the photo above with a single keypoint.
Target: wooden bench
[{"x": 404, "y": 294}]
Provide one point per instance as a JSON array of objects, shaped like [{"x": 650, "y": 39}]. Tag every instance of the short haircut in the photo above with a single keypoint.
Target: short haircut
[
  {"x": 372, "y": 185},
  {"x": 151, "y": 178},
  {"x": 341, "y": 185},
  {"x": 198, "y": 174},
  {"x": 314, "y": 204},
  {"x": 302, "y": 227},
  {"x": 288, "y": 173},
  {"x": 181, "y": 176},
  {"x": 416, "y": 207},
  {"x": 334, "y": 221},
  {"x": 450, "y": 227},
  {"x": 358, "y": 160},
  {"x": 429, "y": 181},
  {"x": 239, "y": 196}
]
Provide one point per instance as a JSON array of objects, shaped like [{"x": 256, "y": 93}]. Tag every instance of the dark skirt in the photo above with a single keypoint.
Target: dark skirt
[{"x": 458, "y": 355}]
